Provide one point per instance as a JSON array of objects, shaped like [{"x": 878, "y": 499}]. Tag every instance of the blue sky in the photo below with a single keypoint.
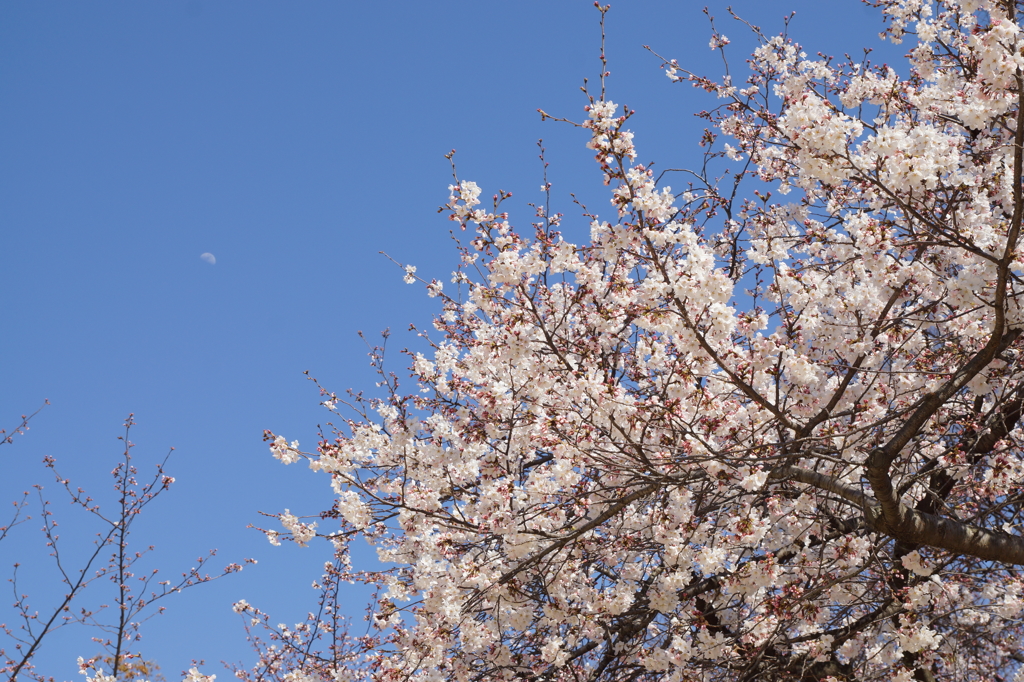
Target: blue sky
[{"x": 293, "y": 142}]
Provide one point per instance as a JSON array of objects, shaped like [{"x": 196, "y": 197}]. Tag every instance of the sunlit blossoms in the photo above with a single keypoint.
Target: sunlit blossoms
[
  {"x": 287, "y": 452},
  {"x": 300, "y": 532},
  {"x": 731, "y": 437},
  {"x": 93, "y": 673}
]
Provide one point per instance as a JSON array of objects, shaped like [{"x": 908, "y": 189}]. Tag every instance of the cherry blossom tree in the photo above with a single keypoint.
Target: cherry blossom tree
[{"x": 764, "y": 425}]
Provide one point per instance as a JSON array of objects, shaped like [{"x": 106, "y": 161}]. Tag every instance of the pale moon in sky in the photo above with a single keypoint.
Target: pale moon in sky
[{"x": 209, "y": 258}]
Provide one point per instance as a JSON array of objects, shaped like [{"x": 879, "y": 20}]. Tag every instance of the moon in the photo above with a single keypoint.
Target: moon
[{"x": 209, "y": 258}]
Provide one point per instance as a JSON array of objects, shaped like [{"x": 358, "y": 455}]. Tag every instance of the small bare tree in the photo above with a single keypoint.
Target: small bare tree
[{"x": 109, "y": 564}]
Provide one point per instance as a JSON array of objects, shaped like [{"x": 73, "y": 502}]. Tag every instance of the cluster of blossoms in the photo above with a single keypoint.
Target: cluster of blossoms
[
  {"x": 94, "y": 673},
  {"x": 287, "y": 453},
  {"x": 729, "y": 438},
  {"x": 302, "y": 533}
]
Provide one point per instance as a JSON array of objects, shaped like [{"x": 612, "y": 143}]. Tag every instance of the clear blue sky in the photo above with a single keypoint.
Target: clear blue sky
[{"x": 293, "y": 141}]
